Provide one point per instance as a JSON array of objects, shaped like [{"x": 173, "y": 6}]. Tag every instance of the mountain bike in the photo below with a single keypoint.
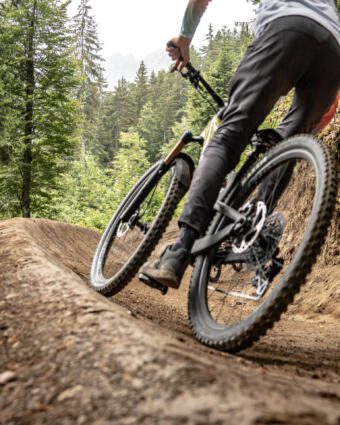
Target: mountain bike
[{"x": 269, "y": 224}]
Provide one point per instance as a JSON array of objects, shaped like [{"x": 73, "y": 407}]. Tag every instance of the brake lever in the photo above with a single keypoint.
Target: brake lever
[{"x": 195, "y": 78}]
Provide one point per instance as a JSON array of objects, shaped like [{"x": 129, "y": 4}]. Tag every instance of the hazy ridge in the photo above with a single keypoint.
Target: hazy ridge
[{"x": 118, "y": 65}]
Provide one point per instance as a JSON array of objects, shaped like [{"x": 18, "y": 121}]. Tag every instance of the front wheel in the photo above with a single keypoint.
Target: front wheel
[
  {"x": 127, "y": 243},
  {"x": 263, "y": 265}
]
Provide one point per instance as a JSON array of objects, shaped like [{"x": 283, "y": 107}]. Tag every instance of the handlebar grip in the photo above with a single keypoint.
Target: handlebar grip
[
  {"x": 170, "y": 44},
  {"x": 188, "y": 66}
]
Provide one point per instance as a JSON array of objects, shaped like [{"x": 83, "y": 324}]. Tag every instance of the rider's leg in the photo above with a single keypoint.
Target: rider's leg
[
  {"x": 314, "y": 94},
  {"x": 275, "y": 63}
]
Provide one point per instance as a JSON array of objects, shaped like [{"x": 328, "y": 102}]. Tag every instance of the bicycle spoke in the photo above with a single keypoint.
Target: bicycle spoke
[
  {"x": 130, "y": 235},
  {"x": 238, "y": 293}
]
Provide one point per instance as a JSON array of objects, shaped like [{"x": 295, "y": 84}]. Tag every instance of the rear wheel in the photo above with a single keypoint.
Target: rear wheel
[
  {"x": 125, "y": 245},
  {"x": 261, "y": 268}
]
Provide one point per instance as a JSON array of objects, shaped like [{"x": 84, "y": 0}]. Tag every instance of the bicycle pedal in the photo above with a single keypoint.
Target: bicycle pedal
[{"x": 153, "y": 283}]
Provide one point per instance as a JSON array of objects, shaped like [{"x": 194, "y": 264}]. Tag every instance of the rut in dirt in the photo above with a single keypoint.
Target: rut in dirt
[{"x": 76, "y": 357}]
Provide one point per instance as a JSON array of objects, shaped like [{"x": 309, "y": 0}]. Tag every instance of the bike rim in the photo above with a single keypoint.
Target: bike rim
[
  {"x": 241, "y": 294},
  {"x": 127, "y": 237}
]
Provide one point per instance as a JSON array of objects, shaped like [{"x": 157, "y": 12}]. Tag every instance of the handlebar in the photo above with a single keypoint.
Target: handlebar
[{"x": 195, "y": 78}]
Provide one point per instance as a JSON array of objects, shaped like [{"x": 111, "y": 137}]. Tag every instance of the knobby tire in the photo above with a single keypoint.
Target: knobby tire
[{"x": 244, "y": 333}]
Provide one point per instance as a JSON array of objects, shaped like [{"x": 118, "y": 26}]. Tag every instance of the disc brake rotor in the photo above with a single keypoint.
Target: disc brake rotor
[{"x": 257, "y": 222}]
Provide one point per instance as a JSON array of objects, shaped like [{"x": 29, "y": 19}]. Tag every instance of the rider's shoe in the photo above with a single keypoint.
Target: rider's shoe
[{"x": 169, "y": 268}]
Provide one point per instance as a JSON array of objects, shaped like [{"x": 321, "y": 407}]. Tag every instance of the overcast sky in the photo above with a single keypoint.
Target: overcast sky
[{"x": 140, "y": 27}]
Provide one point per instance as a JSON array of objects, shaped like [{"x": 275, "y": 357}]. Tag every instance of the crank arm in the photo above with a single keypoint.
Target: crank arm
[
  {"x": 204, "y": 244},
  {"x": 229, "y": 212},
  {"x": 232, "y": 258}
]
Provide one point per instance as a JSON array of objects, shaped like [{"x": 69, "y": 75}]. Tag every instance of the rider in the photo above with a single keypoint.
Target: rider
[{"x": 297, "y": 45}]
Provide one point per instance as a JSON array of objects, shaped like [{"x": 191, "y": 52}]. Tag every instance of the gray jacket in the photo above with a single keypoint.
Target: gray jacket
[{"x": 322, "y": 11}]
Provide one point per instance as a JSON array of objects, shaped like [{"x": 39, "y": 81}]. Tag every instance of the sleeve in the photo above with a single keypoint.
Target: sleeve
[{"x": 192, "y": 17}]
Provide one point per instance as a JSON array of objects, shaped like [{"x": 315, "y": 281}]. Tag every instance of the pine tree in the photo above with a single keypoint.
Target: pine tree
[
  {"x": 161, "y": 112},
  {"x": 38, "y": 83},
  {"x": 115, "y": 117},
  {"x": 92, "y": 73},
  {"x": 222, "y": 69},
  {"x": 140, "y": 90},
  {"x": 208, "y": 41}
]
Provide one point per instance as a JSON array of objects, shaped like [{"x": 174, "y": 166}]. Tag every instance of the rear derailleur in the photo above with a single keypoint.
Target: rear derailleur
[{"x": 264, "y": 276}]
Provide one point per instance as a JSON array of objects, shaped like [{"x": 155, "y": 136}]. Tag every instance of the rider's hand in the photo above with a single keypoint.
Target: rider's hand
[{"x": 181, "y": 53}]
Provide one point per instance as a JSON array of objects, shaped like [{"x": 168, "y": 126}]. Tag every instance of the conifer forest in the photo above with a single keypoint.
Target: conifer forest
[
  {"x": 86, "y": 336},
  {"x": 68, "y": 145}
]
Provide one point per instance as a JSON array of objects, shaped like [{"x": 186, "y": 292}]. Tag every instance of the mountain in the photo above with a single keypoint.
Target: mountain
[
  {"x": 118, "y": 66},
  {"x": 157, "y": 61}
]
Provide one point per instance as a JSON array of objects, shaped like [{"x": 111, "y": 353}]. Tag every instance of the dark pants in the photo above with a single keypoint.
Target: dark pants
[{"x": 293, "y": 52}]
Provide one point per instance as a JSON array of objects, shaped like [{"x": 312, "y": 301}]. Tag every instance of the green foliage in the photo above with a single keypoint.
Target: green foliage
[
  {"x": 92, "y": 82},
  {"x": 38, "y": 110},
  {"x": 52, "y": 96},
  {"x": 88, "y": 196},
  {"x": 160, "y": 113},
  {"x": 115, "y": 117},
  {"x": 91, "y": 193},
  {"x": 139, "y": 90},
  {"x": 278, "y": 112},
  {"x": 130, "y": 163},
  {"x": 221, "y": 56}
]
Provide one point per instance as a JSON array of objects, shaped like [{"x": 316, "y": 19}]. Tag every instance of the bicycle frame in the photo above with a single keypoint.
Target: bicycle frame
[
  {"x": 222, "y": 206},
  {"x": 226, "y": 194},
  {"x": 164, "y": 165},
  {"x": 261, "y": 142}
]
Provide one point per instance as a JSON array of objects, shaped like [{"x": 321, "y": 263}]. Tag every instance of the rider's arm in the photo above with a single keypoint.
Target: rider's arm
[{"x": 192, "y": 17}]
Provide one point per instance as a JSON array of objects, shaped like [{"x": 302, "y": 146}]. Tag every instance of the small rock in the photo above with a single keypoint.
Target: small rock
[
  {"x": 12, "y": 295},
  {"x": 7, "y": 377},
  {"x": 71, "y": 392},
  {"x": 81, "y": 420},
  {"x": 12, "y": 339},
  {"x": 40, "y": 407}
]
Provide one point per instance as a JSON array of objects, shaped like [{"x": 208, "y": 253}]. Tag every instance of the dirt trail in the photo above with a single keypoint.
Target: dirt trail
[{"x": 70, "y": 356}]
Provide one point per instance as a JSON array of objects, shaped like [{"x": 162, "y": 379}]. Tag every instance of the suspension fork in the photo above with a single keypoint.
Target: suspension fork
[
  {"x": 150, "y": 183},
  {"x": 183, "y": 170}
]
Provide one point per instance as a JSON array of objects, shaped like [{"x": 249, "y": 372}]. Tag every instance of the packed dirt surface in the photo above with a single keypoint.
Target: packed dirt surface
[{"x": 70, "y": 356}]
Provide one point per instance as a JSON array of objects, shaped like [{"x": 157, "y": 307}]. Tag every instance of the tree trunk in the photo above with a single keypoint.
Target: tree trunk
[{"x": 28, "y": 131}]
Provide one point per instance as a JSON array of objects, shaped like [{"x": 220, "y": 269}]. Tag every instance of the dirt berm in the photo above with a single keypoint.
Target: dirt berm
[{"x": 70, "y": 356}]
